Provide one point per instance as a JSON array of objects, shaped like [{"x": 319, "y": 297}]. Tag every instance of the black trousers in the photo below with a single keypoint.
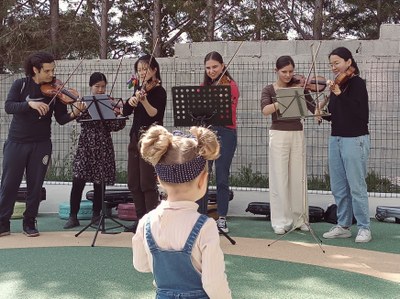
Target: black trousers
[
  {"x": 76, "y": 196},
  {"x": 19, "y": 158},
  {"x": 142, "y": 181}
]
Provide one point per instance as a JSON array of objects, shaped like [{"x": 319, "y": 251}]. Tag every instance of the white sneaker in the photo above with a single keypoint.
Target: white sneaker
[
  {"x": 221, "y": 224},
  {"x": 364, "y": 235},
  {"x": 337, "y": 232},
  {"x": 279, "y": 230},
  {"x": 304, "y": 228}
]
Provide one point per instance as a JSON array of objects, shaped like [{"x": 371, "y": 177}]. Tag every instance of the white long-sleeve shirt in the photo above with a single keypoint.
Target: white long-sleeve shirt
[{"x": 171, "y": 224}]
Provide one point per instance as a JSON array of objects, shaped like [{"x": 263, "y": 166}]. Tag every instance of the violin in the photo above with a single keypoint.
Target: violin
[
  {"x": 56, "y": 89},
  {"x": 145, "y": 88},
  {"x": 342, "y": 78},
  {"x": 223, "y": 80},
  {"x": 149, "y": 85},
  {"x": 314, "y": 84}
]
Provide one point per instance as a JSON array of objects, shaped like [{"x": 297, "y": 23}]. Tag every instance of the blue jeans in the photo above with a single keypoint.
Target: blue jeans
[
  {"x": 228, "y": 141},
  {"x": 348, "y": 158}
]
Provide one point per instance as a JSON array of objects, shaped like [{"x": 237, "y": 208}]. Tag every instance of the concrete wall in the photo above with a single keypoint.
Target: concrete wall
[{"x": 387, "y": 46}]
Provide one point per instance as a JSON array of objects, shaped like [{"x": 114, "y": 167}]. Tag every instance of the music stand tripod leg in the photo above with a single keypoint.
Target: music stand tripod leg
[
  {"x": 303, "y": 218},
  {"x": 233, "y": 242}
]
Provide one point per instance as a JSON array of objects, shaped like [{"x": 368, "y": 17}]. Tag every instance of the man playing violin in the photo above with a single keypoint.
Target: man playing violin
[{"x": 28, "y": 146}]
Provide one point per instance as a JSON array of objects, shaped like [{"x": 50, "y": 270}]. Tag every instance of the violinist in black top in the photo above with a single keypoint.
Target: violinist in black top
[
  {"x": 349, "y": 146},
  {"x": 148, "y": 106},
  {"x": 28, "y": 146}
]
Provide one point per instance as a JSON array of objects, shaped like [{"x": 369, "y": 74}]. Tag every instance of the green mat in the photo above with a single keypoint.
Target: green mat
[{"x": 98, "y": 272}]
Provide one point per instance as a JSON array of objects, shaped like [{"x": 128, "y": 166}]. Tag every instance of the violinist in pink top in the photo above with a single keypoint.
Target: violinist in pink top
[{"x": 216, "y": 73}]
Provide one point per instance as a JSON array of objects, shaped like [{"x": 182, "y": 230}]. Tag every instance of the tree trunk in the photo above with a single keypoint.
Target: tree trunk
[
  {"x": 54, "y": 28},
  {"x": 103, "y": 29},
  {"x": 157, "y": 28},
  {"x": 258, "y": 20},
  {"x": 210, "y": 10},
  {"x": 379, "y": 13},
  {"x": 318, "y": 19}
]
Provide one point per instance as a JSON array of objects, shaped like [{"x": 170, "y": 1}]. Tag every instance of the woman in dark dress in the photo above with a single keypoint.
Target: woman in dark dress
[{"x": 94, "y": 159}]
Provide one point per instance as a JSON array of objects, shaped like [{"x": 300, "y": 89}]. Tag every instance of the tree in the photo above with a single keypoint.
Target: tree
[
  {"x": 157, "y": 28},
  {"x": 210, "y": 12},
  {"x": 54, "y": 25},
  {"x": 103, "y": 29},
  {"x": 318, "y": 19}
]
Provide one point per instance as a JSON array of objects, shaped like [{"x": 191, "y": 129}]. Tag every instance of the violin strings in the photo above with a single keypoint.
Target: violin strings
[{"x": 63, "y": 85}]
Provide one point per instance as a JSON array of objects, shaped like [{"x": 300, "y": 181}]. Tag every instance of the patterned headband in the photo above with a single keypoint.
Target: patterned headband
[{"x": 181, "y": 173}]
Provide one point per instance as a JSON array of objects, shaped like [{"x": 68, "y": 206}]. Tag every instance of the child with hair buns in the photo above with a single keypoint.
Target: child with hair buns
[{"x": 176, "y": 243}]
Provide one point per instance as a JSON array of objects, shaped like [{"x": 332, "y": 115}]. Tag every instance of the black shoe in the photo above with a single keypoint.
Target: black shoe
[
  {"x": 132, "y": 228},
  {"x": 29, "y": 227},
  {"x": 72, "y": 222},
  {"x": 95, "y": 219},
  {"x": 4, "y": 229}
]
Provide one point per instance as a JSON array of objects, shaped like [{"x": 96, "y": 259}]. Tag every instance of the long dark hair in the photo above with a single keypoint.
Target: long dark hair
[
  {"x": 97, "y": 77},
  {"x": 36, "y": 60},
  {"x": 217, "y": 57},
  {"x": 283, "y": 61},
  {"x": 345, "y": 53},
  {"x": 152, "y": 62}
]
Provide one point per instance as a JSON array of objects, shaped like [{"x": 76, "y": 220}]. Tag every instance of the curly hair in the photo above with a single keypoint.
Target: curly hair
[
  {"x": 158, "y": 145},
  {"x": 36, "y": 60}
]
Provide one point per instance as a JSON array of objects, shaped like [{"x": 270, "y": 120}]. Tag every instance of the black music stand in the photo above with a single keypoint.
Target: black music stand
[
  {"x": 101, "y": 109},
  {"x": 292, "y": 104},
  {"x": 203, "y": 106}
]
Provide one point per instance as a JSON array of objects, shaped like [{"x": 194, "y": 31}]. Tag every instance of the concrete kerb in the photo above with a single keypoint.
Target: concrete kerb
[{"x": 59, "y": 193}]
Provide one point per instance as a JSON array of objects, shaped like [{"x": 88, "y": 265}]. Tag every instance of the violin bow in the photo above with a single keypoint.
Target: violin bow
[
  {"x": 151, "y": 59},
  {"x": 313, "y": 67},
  {"x": 66, "y": 81},
  {"x": 226, "y": 67},
  {"x": 116, "y": 74},
  {"x": 313, "y": 57}
]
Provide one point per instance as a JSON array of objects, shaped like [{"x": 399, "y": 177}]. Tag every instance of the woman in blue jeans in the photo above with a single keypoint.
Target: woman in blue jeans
[
  {"x": 349, "y": 146},
  {"x": 216, "y": 74}
]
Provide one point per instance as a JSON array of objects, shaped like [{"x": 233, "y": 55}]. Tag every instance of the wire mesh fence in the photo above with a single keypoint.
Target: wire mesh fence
[{"x": 250, "y": 165}]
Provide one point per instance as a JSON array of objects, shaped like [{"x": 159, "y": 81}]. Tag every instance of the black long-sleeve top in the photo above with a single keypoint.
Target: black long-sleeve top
[
  {"x": 27, "y": 125},
  {"x": 157, "y": 98},
  {"x": 349, "y": 111}
]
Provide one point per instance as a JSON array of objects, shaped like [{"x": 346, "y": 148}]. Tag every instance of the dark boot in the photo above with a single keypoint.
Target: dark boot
[
  {"x": 29, "y": 227},
  {"x": 4, "y": 228},
  {"x": 72, "y": 222},
  {"x": 132, "y": 228},
  {"x": 95, "y": 218}
]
